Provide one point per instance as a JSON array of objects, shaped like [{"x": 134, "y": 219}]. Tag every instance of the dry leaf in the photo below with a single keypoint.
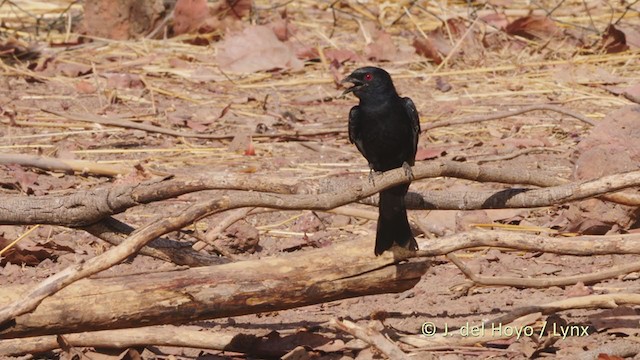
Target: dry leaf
[
  {"x": 497, "y": 20},
  {"x": 613, "y": 41},
  {"x": 73, "y": 70},
  {"x": 85, "y": 87},
  {"x": 533, "y": 27},
  {"x": 24, "y": 252},
  {"x": 236, "y": 9},
  {"x": 341, "y": 55},
  {"x": 631, "y": 34},
  {"x": 123, "y": 81},
  {"x": 189, "y": 15},
  {"x": 427, "y": 48},
  {"x": 283, "y": 29},
  {"x": 12, "y": 50},
  {"x": 382, "y": 48},
  {"x": 197, "y": 126},
  {"x": 256, "y": 49}
]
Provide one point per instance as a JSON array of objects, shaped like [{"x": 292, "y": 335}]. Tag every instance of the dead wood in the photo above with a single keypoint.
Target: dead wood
[
  {"x": 453, "y": 337},
  {"x": 270, "y": 284},
  {"x": 606, "y": 301},
  {"x": 587, "y": 279},
  {"x": 522, "y": 317},
  {"x": 168, "y": 305},
  {"x": 166, "y": 335},
  {"x": 371, "y": 336},
  {"x": 66, "y": 165},
  {"x": 579, "y": 245},
  {"x": 124, "y": 338},
  {"x": 115, "y": 232},
  {"x": 86, "y": 207},
  {"x": 522, "y": 197}
]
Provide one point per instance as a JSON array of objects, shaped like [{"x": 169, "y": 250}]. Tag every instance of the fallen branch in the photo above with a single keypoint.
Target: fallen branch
[
  {"x": 579, "y": 245},
  {"x": 86, "y": 207},
  {"x": 115, "y": 232},
  {"x": 124, "y": 338},
  {"x": 315, "y": 264},
  {"x": 244, "y": 287},
  {"x": 66, "y": 165},
  {"x": 264, "y": 346},
  {"x": 607, "y": 301}
]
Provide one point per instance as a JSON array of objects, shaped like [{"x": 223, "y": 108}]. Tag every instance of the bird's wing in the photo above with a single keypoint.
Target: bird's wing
[
  {"x": 355, "y": 129},
  {"x": 412, "y": 112}
]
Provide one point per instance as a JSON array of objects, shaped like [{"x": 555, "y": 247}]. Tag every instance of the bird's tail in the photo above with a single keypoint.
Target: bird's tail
[{"x": 393, "y": 225}]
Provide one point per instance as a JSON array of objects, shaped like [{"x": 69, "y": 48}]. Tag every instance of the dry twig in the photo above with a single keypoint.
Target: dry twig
[{"x": 370, "y": 336}]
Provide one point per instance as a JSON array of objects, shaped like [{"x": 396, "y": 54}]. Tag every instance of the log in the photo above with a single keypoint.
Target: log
[{"x": 344, "y": 270}]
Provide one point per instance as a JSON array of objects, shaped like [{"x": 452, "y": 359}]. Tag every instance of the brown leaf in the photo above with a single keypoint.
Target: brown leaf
[
  {"x": 123, "y": 81},
  {"x": 256, "y": 49},
  {"x": 189, "y": 15},
  {"x": 532, "y": 27},
  {"x": 13, "y": 49},
  {"x": 427, "y": 48},
  {"x": 497, "y": 20},
  {"x": 341, "y": 55},
  {"x": 27, "y": 253},
  {"x": 382, "y": 48},
  {"x": 613, "y": 41},
  {"x": 195, "y": 125},
  {"x": 282, "y": 28},
  {"x": 236, "y": 9},
  {"x": 631, "y": 34},
  {"x": 85, "y": 87},
  {"x": 73, "y": 70}
]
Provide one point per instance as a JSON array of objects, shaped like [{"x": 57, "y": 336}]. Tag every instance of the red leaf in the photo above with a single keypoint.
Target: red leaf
[
  {"x": 532, "y": 27},
  {"x": 250, "y": 150},
  {"x": 427, "y": 48}
]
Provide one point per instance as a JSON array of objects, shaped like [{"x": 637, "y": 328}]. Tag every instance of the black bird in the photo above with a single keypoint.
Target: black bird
[{"x": 385, "y": 129}]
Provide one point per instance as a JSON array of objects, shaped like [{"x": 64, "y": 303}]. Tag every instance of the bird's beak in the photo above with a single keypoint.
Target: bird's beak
[{"x": 357, "y": 84}]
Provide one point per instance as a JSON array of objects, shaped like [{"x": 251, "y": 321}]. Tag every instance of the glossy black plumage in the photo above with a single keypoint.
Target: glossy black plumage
[{"x": 385, "y": 128}]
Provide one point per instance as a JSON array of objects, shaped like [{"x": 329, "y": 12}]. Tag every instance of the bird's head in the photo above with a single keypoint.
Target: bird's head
[{"x": 369, "y": 82}]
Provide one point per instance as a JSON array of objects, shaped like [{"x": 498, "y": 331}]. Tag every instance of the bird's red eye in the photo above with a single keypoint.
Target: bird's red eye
[{"x": 368, "y": 76}]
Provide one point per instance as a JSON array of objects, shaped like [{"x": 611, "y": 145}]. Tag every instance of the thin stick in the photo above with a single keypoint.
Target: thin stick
[
  {"x": 504, "y": 114},
  {"x": 544, "y": 282},
  {"x": 54, "y": 164},
  {"x": 24, "y": 235},
  {"x": 370, "y": 336}
]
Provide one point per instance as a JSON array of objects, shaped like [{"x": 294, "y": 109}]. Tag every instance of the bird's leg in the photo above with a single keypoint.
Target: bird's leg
[
  {"x": 371, "y": 171},
  {"x": 407, "y": 171}
]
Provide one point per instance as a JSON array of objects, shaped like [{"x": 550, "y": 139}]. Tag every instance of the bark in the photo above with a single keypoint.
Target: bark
[{"x": 342, "y": 271}]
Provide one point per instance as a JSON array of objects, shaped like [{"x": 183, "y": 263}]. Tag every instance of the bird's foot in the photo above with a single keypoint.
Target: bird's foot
[
  {"x": 372, "y": 175},
  {"x": 407, "y": 171}
]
